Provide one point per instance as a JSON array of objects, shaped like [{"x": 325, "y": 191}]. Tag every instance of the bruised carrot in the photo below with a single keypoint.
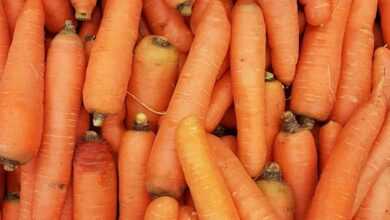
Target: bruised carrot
[
  {"x": 56, "y": 13},
  {"x": 187, "y": 213},
  {"x": 381, "y": 66},
  {"x": 327, "y": 139},
  {"x": 94, "y": 180},
  {"x": 195, "y": 82},
  {"x": 162, "y": 208},
  {"x": 83, "y": 123},
  {"x": 113, "y": 129},
  {"x": 83, "y": 9},
  {"x": 384, "y": 9},
  {"x": 67, "y": 210},
  {"x": 5, "y": 40},
  {"x": 10, "y": 207},
  {"x": 319, "y": 12},
  {"x": 12, "y": 10},
  {"x": 378, "y": 36},
  {"x": 182, "y": 6},
  {"x": 229, "y": 119},
  {"x": 27, "y": 176},
  {"x": 153, "y": 80},
  {"x": 13, "y": 181},
  {"x": 91, "y": 27}
]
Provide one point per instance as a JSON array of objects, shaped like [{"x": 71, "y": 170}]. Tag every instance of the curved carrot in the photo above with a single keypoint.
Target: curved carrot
[
  {"x": 91, "y": 27},
  {"x": 67, "y": 210},
  {"x": 114, "y": 128},
  {"x": 21, "y": 89},
  {"x": 27, "y": 176},
  {"x": 56, "y": 13},
  {"x": 162, "y": 208},
  {"x": 210, "y": 194},
  {"x": 167, "y": 22},
  {"x": 83, "y": 9},
  {"x": 5, "y": 40},
  {"x": 94, "y": 180},
  {"x": 318, "y": 70},
  {"x": 10, "y": 207},
  {"x": 196, "y": 82},
  {"x": 378, "y": 36},
  {"x": 384, "y": 9},
  {"x": 132, "y": 159},
  {"x": 83, "y": 123},
  {"x": 336, "y": 189},
  {"x": 318, "y": 12},
  {"x": 153, "y": 80},
  {"x": 13, "y": 181},
  {"x": 247, "y": 70},
  {"x": 12, "y": 10},
  {"x": 381, "y": 66},
  {"x": 327, "y": 139}
]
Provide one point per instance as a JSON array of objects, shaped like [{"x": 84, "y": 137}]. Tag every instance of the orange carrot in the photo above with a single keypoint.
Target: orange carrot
[
  {"x": 12, "y": 10},
  {"x": 67, "y": 211},
  {"x": 167, "y": 22},
  {"x": 224, "y": 67},
  {"x": 182, "y": 6},
  {"x": 187, "y": 213},
  {"x": 195, "y": 82},
  {"x": 10, "y": 209},
  {"x": 335, "y": 192},
  {"x": 378, "y": 36},
  {"x": 27, "y": 176},
  {"x": 91, "y": 27},
  {"x": 109, "y": 71},
  {"x": 162, "y": 208},
  {"x": 113, "y": 129},
  {"x": 4, "y": 39},
  {"x": 381, "y": 66},
  {"x": 56, "y": 13},
  {"x": 384, "y": 9},
  {"x": 21, "y": 89},
  {"x": 319, "y": 12},
  {"x": 211, "y": 196},
  {"x": 221, "y": 100},
  {"x": 327, "y": 139},
  {"x": 231, "y": 142},
  {"x": 83, "y": 9},
  {"x": 13, "y": 181},
  {"x": 94, "y": 180},
  {"x": 229, "y": 119},
  {"x": 153, "y": 80},
  {"x": 83, "y": 123},
  {"x": 318, "y": 70},
  {"x": 295, "y": 151}
]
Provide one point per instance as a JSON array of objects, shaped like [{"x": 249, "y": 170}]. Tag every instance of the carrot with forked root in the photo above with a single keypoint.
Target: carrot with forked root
[{"x": 83, "y": 9}]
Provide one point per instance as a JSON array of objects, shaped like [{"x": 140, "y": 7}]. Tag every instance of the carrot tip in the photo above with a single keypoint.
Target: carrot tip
[
  {"x": 185, "y": 8},
  {"x": 82, "y": 16},
  {"x": 272, "y": 172},
  {"x": 98, "y": 119}
]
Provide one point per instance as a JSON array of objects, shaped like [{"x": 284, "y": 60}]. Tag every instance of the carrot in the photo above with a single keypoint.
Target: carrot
[
  {"x": 221, "y": 100},
  {"x": 94, "y": 180},
  {"x": 12, "y": 10},
  {"x": 381, "y": 66},
  {"x": 301, "y": 22},
  {"x": 224, "y": 67},
  {"x": 83, "y": 9},
  {"x": 21, "y": 89},
  {"x": 279, "y": 194},
  {"x": 378, "y": 36},
  {"x": 229, "y": 119},
  {"x": 281, "y": 18},
  {"x": 65, "y": 69},
  {"x": 83, "y": 123},
  {"x": 247, "y": 69},
  {"x": 13, "y": 181},
  {"x": 67, "y": 211},
  {"x": 109, "y": 71},
  {"x": 196, "y": 82},
  {"x": 162, "y": 208},
  {"x": 153, "y": 79},
  {"x": 377, "y": 203},
  {"x": 133, "y": 156},
  {"x": 182, "y": 6},
  {"x": 335, "y": 192},
  {"x": 211, "y": 196},
  {"x": 27, "y": 176},
  {"x": 114, "y": 128},
  {"x": 56, "y": 13},
  {"x": 355, "y": 77},
  {"x": 5, "y": 40},
  {"x": 384, "y": 9},
  {"x": 167, "y": 22},
  {"x": 327, "y": 139},
  {"x": 91, "y": 27},
  {"x": 275, "y": 104},
  {"x": 10, "y": 209},
  {"x": 231, "y": 142},
  {"x": 319, "y": 12},
  {"x": 295, "y": 151},
  {"x": 187, "y": 213}
]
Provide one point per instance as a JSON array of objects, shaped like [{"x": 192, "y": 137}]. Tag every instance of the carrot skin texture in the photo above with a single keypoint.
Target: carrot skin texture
[
  {"x": 194, "y": 84},
  {"x": 56, "y": 13},
  {"x": 384, "y": 9},
  {"x": 381, "y": 66},
  {"x": 27, "y": 177},
  {"x": 162, "y": 208},
  {"x": 12, "y": 10},
  {"x": 318, "y": 12},
  {"x": 327, "y": 139},
  {"x": 10, "y": 209},
  {"x": 5, "y": 39},
  {"x": 83, "y": 9},
  {"x": 187, "y": 213},
  {"x": 113, "y": 129},
  {"x": 91, "y": 27}
]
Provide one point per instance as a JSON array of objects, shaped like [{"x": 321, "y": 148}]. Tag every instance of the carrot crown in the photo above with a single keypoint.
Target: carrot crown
[
  {"x": 185, "y": 8},
  {"x": 141, "y": 122},
  {"x": 272, "y": 172},
  {"x": 160, "y": 41},
  {"x": 69, "y": 28},
  {"x": 269, "y": 77},
  {"x": 289, "y": 122}
]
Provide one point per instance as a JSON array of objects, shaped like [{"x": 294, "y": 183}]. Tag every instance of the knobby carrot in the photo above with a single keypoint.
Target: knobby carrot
[
  {"x": 83, "y": 9},
  {"x": 279, "y": 194},
  {"x": 83, "y": 123},
  {"x": 94, "y": 180},
  {"x": 187, "y": 213},
  {"x": 319, "y": 12},
  {"x": 12, "y": 9},
  {"x": 132, "y": 159},
  {"x": 56, "y": 13},
  {"x": 4, "y": 39},
  {"x": 10, "y": 207},
  {"x": 21, "y": 91},
  {"x": 67, "y": 210},
  {"x": 109, "y": 66},
  {"x": 167, "y": 22},
  {"x": 162, "y": 208},
  {"x": 27, "y": 176},
  {"x": 229, "y": 119},
  {"x": 91, "y": 27},
  {"x": 210, "y": 193},
  {"x": 247, "y": 69},
  {"x": 221, "y": 100},
  {"x": 355, "y": 77},
  {"x": 378, "y": 36},
  {"x": 13, "y": 181},
  {"x": 113, "y": 129},
  {"x": 182, "y": 6},
  {"x": 65, "y": 69},
  {"x": 327, "y": 139},
  {"x": 295, "y": 151},
  {"x": 153, "y": 80},
  {"x": 318, "y": 70},
  {"x": 335, "y": 192},
  {"x": 381, "y": 66},
  {"x": 384, "y": 9},
  {"x": 231, "y": 142},
  {"x": 195, "y": 82}
]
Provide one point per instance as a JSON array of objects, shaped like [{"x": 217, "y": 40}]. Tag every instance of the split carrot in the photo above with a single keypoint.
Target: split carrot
[
  {"x": 67, "y": 210},
  {"x": 187, "y": 213},
  {"x": 5, "y": 40},
  {"x": 162, "y": 208},
  {"x": 318, "y": 12},
  {"x": 327, "y": 139},
  {"x": 167, "y": 22},
  {"x": 209, "y": 191},
  {"x": 12, "y": 9},
  {"x": 56, "y": 13},
  {"x": 21, "y": 89},
  {"x": 318, "y": 70},
  {"x": 378, "y": 36},
  {"x": 13, "y": 181},
  {"x": 153, "y": 80},
  {"x": 10, "y": 207},
  {"x": 83, "y": 123},
  {"x": 109, "y": 66},
  {"x": 381, "y": 66},
  {"x": 94, "y": 180},
  {"x": 384, "y": 9},
  {"x": 91, "y": 27},
  {"x": 114, "y": 128},
  {"x": 83, "y": 9},
  {"x": 27, "y": 176},
  {"x": 191, "y": 96},
  {"x": 182, "y": 6}
]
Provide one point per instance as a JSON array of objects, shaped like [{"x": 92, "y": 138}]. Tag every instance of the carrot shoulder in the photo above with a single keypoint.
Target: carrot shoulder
[{"x": 182, "y": 6}]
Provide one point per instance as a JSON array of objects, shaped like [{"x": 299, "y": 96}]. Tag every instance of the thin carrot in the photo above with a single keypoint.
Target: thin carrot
[
  {"x": 12, "y": 9},
  {"x": 378, "y": 36},
  {"x": 162, "y": 208},
  {"x": 83, "y": 123},
  {"x": 327, "y": 139},
  {"x": 210, "y": 193},
  {"x": 114, "y": 128},
  {"x": 5, "y": 40},
  {"x": 10, "y": 207},
  {"x": 27, "y": 176},
  {"x": 56, "y": 13},
  {"x": 94, "y": 180},
  {"x": 318, "y": 12},
  {"x": 384, "y": 9},
  {"x": 91, "y": 27},
  {"x": 381, "y": 66},
  {"x": 182, "y": 6},
  {"x": 191, "y": 96},
  {"x": 231, "y": 142},
  {"x": 187, "y": 213},
  {"x": 13, "y": 181},
  {"x": 153, "y": 80},
  {"x": 67, "y": 210},
  {"x": 229, "y": 119},
  {"x": 83, "y": 9},
  {"x": 335, "y": 192},
  {"x": 318, "y": 70}
]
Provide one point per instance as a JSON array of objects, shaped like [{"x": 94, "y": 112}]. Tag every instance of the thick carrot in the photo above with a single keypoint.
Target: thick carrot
[
  {"x": 221, "y": 100},
  {"x": 83, "y": 9},
  {"x": 187, "y": 213},
  {"x": 83, "y": 123},
  {"x": 191, "y": 96},
  {"x": 319, "y": 12},
  {"x": 210, "y": 193},
  {"x": 279, "y": 194},
  {"x": 182, "y": 6},
  {"x": 167, "y": 22},
  {"x": 12, "y": 9},
  {"x": 162, "y": 208},
  {"x": 67, "y": 210},
  {"x": 27, "y": 176},
  {"x": 114, "y": 128},
  {"x": 21, "y": 89},
  {"x": 132, "y": 159},
  {"x": 377, "y": 202},
  {"x": 13, "y": 181},
  {"x": 318, "y": 70},
  {"x": 355, "y": 77},
  {"x": 153, "y": 80},
  {"x": 378, "y": 36},
  {"x": 248, "y": 87},
  {"x": 94, "y": 180},
  {"x": 327, "y": 139},
  {"x": 335, "y": 192},
  {"x": 5, "y": 40},
  {"x": 384, "y": 9},
  {"x": 91, "y": 27},
  {"x": 109, "y": 66},
  {"x": 56, "y": 13},
  {"x": 10, "y": 207},
  {"x": 381, "y": 66},
  {"x": 64, "y": 72},
  {"x": 229, "y": 119},
  {"x": 295, "y": 151}
]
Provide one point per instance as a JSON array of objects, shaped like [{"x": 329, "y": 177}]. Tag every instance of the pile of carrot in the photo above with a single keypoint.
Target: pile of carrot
[{"x": 195, "y": 109}]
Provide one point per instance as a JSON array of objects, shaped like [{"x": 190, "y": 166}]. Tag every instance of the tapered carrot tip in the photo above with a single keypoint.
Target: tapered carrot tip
[
  {"x": 161, "y": 41},
  {"x": 185, "y": 8},
  {"x": 91, "y": 136},
  {"x": 272, "y": 172},
  {"x": 141, "y": 122},
  {"x": 82, "y": 16},
  {"x": 9, "y": 165},
  {"x": 69, "y": 28},
  {"x": 98, "y": 119},
  {"x": 289, "y": 122}
]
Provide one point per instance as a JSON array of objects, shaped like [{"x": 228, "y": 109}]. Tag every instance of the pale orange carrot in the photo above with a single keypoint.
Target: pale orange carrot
[{"x": 381, "y": 66}]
